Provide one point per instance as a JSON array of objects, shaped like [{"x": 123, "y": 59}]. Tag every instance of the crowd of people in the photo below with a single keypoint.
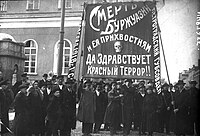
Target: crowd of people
[{"x": 47, "y": 107}]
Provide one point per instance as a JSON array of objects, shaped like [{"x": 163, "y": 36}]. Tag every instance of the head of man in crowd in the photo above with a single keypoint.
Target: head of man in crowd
[
  {"x": 192, "y": 83},
  {"x": 181, "y": 85},
  {"x": 4, "y": 84},
  {"x": 107, "y": 87},
  {"x": 149, "y": 89},
  {"x": 128, "y": 82},
  {"x": 35, "y": 84},
  {"x": 69, "y": 83},
  {"x": 88, "y": 84},
  {"x": 113, "y": 85},
  {"x": 60, "y": 80},
  {"x": 165, "y": 87},
  {"x": 23, "y": 88},
  {"x": 45, "y": 77}
]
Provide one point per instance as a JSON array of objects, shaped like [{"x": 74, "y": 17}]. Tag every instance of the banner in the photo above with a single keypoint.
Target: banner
[
  {"x": 118, "y": 40},
  {"x": 73, "y": 60}
]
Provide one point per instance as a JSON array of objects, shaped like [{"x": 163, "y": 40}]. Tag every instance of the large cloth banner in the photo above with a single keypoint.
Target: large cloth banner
[{"x": 120, "y": 40}]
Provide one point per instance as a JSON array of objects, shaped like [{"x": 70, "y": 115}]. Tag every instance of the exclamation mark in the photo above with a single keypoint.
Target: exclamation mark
[{"x": 149, "y": 70}]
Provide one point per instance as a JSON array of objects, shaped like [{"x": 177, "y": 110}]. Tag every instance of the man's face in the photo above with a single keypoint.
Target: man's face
[
  {"x": 60, "y": 80},
  {"x": 98, "y": 87},
  {"x": 165, "y": 88},
  {"x": 128, "y": 84},
  {"x": 113, "y": 85},
  {"x": 35, "y": 85},
  {"x": 69, "y": 85},
  {"x": 180, "y": 86}
]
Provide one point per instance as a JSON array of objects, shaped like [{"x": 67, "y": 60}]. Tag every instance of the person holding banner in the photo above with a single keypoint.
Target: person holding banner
[
  {"x": 113, "y": 111},
  {"x": 87, "y": 108}
]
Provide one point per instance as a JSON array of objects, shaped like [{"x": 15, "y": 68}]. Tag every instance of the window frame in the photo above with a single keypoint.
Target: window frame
[
  {"x": 34, "y": 7},
  {"x": 30, "y": 56},
  {"x": 60, "y": 4},
  {"x": 5, "y": 8},
  {"x": 55, "y": 64}
]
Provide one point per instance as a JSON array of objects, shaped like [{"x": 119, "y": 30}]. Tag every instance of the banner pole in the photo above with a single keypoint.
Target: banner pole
[
  {"x": 60, "y": 53},
  {"x": 166, "y": 67}
]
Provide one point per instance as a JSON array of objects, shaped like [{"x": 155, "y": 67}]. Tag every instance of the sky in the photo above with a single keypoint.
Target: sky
[{"x": 177, "y": 20}]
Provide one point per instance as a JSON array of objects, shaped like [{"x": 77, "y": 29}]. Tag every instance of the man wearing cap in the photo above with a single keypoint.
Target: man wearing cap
[
  {"x": 43, "y": 81},
  {"x": 22, "y": 117},
  {"x": 128, "y": 101},
  {"x": 69, "y": 108},
  {"x": 24, "y": 80},
  {"x": 193, "y": 108},
  {"x": 6, "y": 98},
  {"x": 181, "y": 109}
]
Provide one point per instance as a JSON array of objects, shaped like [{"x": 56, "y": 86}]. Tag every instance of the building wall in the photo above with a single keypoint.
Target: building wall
[{"x": 42, "y": 26}]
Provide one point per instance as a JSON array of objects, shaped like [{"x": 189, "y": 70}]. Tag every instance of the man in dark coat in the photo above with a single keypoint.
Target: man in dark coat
[
  {"x": 54, "y": 111},
  {"x": 35, "y": 98},
  {"x": 22, "y": 117},
  {"x": 113, "y": 111},
  {"x": 150, "y": 106},
  {"x": 181, "y": 109},
  {"x": 139, "y": 122},
  {"x": 6, "y": 99},
  {"x": 100, "y": 107},
  {"x": 87, "y": 108},
  {"x": 193, "y": 108},
  {"x": 62, "y": 107},
  {"x": 166, "y": 109},
  {"x": 68, "y": 108},
  {"x": 128, "y": 103}
]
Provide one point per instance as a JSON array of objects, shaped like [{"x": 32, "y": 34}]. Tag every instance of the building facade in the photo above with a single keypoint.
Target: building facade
[
  {"x": 37, "y": 24},
  {"x": 191, "y": 74}
]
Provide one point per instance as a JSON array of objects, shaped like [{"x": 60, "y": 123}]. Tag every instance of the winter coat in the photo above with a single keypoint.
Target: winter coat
[
  {"x": 87, "y": 107},
  {"x": 22, "y": 120}
]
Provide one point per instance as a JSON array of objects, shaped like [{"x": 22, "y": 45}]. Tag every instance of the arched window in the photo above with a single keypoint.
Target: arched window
[
  {"x": 67, "y": 52},
  {"x": 30, "y": 51}
]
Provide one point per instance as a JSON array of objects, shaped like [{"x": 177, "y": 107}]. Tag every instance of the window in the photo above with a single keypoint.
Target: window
[
  {"x": 68, "y": 4},
  {"x": 33, "y": 4},
  {"x": 3, "y": 5},
  {"x": 67, "y": 52},
  {"x": 30, "y": 51},
  {"x": 66, "y": 57}
]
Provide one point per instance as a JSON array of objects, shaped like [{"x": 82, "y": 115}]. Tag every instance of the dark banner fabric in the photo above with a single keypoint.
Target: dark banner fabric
[{"x": 118, "y": 40}]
